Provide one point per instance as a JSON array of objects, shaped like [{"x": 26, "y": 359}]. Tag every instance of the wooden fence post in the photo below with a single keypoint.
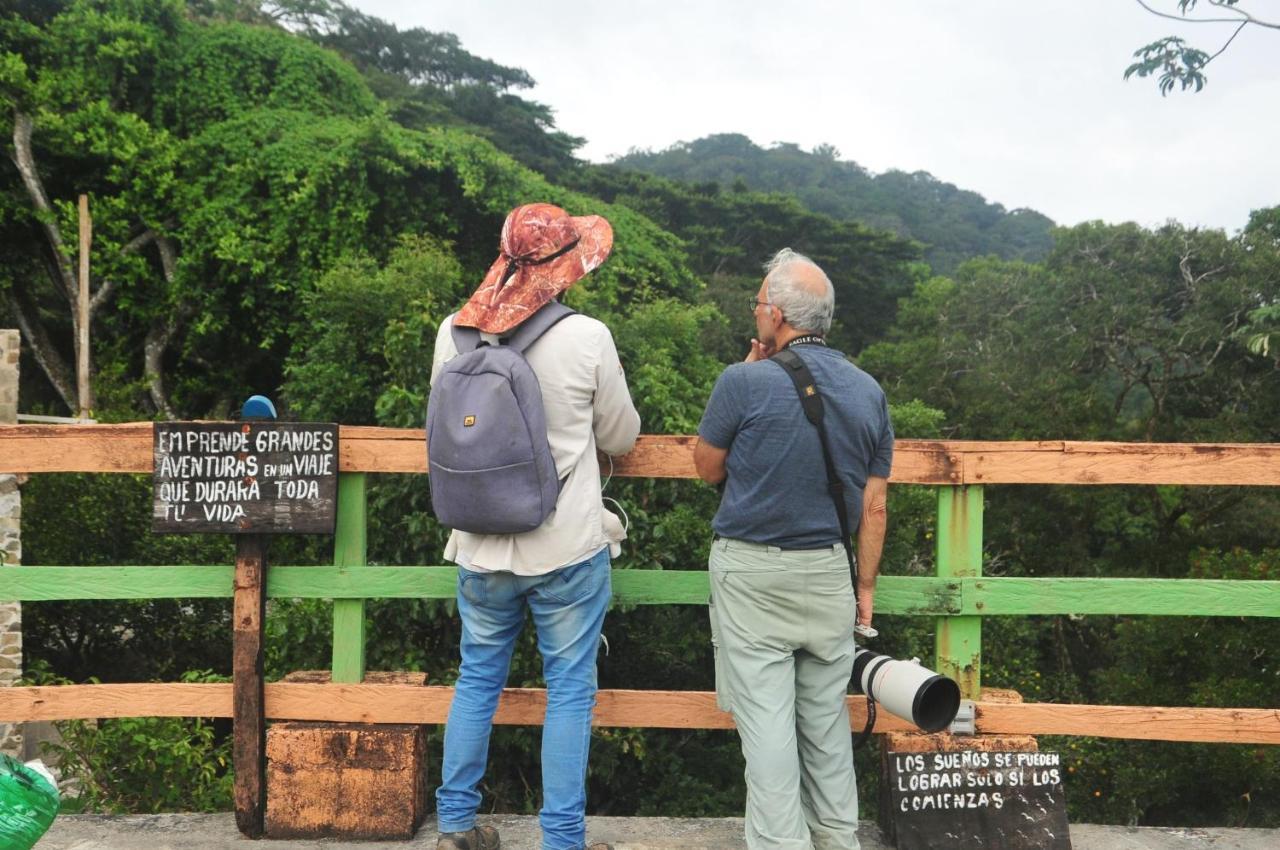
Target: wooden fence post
[
  {"x": 350, "y": 549},
  {"x": 84, "y": 391},
  {"x": 248, "y": 706},
  {"x": 958, "y": 640},
  {"x": 10, "y": 541}
]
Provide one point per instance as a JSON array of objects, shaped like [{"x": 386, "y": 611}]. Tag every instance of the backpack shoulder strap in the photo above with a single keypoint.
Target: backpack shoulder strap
[{"x": 528, "y": 331}]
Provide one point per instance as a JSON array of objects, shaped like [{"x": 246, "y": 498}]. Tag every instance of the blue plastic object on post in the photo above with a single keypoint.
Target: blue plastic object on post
[{"x": 258, "y": 407}]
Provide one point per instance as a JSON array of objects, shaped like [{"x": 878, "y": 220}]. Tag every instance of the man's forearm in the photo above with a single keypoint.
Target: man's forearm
[
  {"x": 871, "y": 534},
  {"x": 871, "y": 530}
]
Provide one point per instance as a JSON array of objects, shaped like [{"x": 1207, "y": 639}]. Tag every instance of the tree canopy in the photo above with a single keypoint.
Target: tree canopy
[{"x": 951, "y": 223}]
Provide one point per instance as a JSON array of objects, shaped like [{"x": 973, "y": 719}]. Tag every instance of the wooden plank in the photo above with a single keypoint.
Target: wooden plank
[
  {"x": 638, "y": 709},
  {"x": 45, "y": 584},
  {"x": 1141, "y": 596},
  {"x": 76, "y": 448},
  {"x": 125, "y": 448},
  {"x": 366, "y": 449},
  {"x": 909, "y": 595},
  {"x": 1129, "y": 463},
  {"x": 70, "y": 702},
  {"x": 350, "y": 553},
  {"x": 958, "y": 640},
  {"x": 1205, "y": 725},
  {"x": 894, "y": 594},
  {"x": 923, "y": 596},
  {"x": 249, "y": 735},
  {"x": 522, "y": 707},
  {"x": 655, "y": 456}
]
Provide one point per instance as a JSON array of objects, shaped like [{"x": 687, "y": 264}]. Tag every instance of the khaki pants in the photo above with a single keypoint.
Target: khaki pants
[{"x": 782, "y": 625}]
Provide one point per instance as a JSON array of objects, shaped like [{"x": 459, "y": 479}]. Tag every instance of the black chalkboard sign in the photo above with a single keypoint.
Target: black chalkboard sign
[
  {"x": 971, "y": 799},
  {"x": 245, "y": 477}
]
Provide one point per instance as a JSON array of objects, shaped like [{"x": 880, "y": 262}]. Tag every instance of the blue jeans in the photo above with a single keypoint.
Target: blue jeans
[{"x": 568, "y": 607}]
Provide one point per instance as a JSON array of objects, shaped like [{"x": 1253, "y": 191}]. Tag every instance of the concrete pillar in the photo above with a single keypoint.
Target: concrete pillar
[{"x": 10, "y": 540}]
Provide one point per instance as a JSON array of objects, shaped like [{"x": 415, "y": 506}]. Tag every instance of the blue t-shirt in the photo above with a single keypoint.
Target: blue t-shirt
[{"x": 776, "y": 492}]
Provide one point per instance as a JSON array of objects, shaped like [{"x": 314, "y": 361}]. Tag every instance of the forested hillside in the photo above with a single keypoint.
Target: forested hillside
[
  {"x": 288, "y": 197},
  {"x": 953, "y": 224}
]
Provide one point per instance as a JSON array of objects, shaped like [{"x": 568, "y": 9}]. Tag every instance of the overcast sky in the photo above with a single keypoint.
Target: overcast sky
[{"x": 1022, "y": 102}]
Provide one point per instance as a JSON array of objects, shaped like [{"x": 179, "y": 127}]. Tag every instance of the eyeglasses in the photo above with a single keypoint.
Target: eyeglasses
[{"x": 755, "y": 302}]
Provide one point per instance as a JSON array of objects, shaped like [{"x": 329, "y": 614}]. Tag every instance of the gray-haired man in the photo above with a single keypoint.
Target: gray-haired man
[{"x": 782, "y": 602}]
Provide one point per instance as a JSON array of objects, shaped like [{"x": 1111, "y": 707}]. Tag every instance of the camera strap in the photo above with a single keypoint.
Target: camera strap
[{"x": 811, "y": 403}]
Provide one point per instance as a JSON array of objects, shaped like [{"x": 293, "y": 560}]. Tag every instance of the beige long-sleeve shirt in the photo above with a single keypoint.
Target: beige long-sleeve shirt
[{"x": 588, "y": 407}]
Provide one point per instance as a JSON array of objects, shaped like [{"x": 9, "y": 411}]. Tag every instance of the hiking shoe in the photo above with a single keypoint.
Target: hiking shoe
[{"x": 476, "y": 838}]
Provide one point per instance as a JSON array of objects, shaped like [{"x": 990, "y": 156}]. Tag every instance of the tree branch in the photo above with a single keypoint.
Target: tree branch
[
  {"x": 46, "y": 353},
  {"x": 1184, "y": 19},
  {"x": 1223, "y": 48},
  {"x": 141, "y": 240},
  {"x": 26, "y": 164},
  {"x": 161, "y": 333},
  {"x": 104, "y": 293},
  {"x": 1248, "y": 18},
  {"x": 157, "y": 342}
]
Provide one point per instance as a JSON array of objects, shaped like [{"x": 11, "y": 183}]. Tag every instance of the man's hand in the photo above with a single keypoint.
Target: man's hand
[
  {"x": 866, "y": 604},
  {"x": 759, "y": 351}
]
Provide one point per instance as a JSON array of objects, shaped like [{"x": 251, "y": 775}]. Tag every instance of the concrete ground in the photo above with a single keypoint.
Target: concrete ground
[{"x": 215, "y": 832}]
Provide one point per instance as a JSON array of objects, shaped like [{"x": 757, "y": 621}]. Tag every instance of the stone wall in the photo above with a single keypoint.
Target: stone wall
[{"x": 10, "y": 539}]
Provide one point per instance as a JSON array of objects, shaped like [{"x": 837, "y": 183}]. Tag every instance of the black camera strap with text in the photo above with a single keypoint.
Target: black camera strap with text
[{"x": 811, "y": 402}]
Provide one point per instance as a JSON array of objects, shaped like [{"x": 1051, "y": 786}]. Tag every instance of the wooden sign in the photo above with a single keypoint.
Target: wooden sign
[
  {"x": 245, "y": 477},
  {"x": 972, "y": 799}
]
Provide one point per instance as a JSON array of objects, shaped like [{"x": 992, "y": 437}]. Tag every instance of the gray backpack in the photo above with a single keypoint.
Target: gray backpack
[{"x": 490, "y": 463}]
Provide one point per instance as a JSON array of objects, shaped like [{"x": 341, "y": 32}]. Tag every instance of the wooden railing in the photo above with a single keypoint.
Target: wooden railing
[{"x": 958, "y": 596}]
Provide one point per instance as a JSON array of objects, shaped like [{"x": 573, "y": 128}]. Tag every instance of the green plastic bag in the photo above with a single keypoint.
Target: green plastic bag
[{"x": 28, "y": 803}]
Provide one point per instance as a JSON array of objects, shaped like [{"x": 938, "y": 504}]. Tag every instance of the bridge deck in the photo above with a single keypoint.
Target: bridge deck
[{"x": 218, "y": 832}]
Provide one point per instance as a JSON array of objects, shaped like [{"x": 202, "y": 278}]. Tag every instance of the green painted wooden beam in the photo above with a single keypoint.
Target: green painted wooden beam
[
  {"x": 895, "y": 594},
  {"x": 350, "y": 552},
  {"x": 1141, "y": 596},
  {"x": 47, "y": 584},
  {"x": 919, "y": 596},
  {"x": 958, "y": 640}
]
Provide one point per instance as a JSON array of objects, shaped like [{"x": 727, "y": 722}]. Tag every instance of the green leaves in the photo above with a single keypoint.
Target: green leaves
[
  {"x": 217, "y": 72},
  {"x": 1175, "y": 62},
  {"x": 147, "y": 764}
]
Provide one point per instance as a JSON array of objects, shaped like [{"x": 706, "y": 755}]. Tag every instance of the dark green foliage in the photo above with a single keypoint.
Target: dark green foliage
[
  {"x": 144, "y": 764},
  {"x": 953, "y": 224},
  {"x": 217, "y": 72},
  {"x": 1122, "y": 334},
  {"x": 427, "y": 78},
  {"x": 100, "y": 520},
  {"x": 731, "y": 233},
  {"x": 342, "y": 367}
]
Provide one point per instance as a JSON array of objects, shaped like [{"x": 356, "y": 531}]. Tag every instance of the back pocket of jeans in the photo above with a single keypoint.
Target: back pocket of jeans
[
  {"x": 472, "y": 586},
  {"x": 576, "y": 582}
]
